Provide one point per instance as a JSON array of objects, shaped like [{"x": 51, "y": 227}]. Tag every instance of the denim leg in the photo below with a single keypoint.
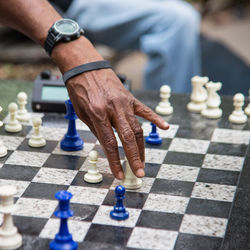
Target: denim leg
[{"x": 167, "y": 31}]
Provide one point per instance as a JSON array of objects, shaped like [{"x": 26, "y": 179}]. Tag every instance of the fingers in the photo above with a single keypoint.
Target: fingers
[
  {"x": 138, "y": 132},
  {"x": 145, "y": 112},
  {"x": 107, "y": 139},
  {"x": 129, "y": 142}
]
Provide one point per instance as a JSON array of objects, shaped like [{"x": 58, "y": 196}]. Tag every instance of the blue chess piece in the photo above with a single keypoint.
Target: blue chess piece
[
  {"x": 71, "y": 140},
  {"x": 119, "y": 212},
  {"x": 63, "y": 239},
  {"x": 153, "y": 137}
]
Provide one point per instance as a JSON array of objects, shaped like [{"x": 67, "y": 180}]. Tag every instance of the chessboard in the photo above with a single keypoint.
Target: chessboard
[{"x": 185, "y": 202}]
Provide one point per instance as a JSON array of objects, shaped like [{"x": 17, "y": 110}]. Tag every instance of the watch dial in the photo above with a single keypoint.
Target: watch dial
[{"x": 66, "y": 26}]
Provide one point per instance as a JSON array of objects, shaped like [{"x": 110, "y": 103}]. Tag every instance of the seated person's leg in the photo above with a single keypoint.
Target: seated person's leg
[{"x": 167, "y": 31}]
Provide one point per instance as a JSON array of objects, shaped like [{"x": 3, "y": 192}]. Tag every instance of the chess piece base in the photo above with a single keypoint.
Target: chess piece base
[
  {"x": 123, "y": 215},
  {"x": 196, "y": 107},
  {"x": 247, "y": 110},
  {"x": 162, "y": 109},
  {"x": 25, "y": 117},
  {"x": 37, "y": 142},
  {"x": 131, "y": 183},
  {"x": 3, "y": 150},
  {"x": 93, "y": 177},
  {"x": 10, "y": 240},
  {"x": 238, "y": 119},
  {"x": 73, "y": 143},
  {"x": 13, "y": 128},
  {"x": 212, "y": 113},
  {"x": 62, "y": 245}
]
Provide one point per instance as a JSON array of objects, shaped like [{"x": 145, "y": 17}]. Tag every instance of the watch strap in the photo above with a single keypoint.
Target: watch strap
[
  {"x": 85, "y": 68},
  {"x": 49, "y": 42}
]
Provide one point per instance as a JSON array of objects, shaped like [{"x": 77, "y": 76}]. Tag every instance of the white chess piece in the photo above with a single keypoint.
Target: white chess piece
[
  {"x": 93, "y": 175},
  {"x": 3, "y": 149},
  {"x": 130, "y": 181},
  {"x": 9, "y": 236},
  {"x": 198, "y": 95},
  {"x": 238, "y": 115},
  {"x": 13, "y": 124},
  {"x": 213, "y": 101},
  {"x": 164, "y": 107},
  {"x": 247, "y": 109},
  {"x": 22, "y": 113},
  {"x": 36, "y": 139}
]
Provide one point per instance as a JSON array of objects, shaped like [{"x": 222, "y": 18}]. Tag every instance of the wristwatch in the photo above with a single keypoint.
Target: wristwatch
[{"x": 63, "y": 30}]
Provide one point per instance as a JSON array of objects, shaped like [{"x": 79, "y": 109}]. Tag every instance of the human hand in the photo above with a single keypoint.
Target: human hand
[{"x": 101, "y": 101}]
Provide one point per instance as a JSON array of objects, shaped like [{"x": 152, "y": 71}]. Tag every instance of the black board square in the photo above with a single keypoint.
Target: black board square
[
  {"x": 159, "y": 220},
  {"x": 108, "y": 234},
  {"x": 48, "y": 148}
]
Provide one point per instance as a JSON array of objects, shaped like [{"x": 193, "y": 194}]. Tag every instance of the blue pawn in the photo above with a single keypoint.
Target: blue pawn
[
  {"x": 153, "y": 137},
  {"x": 119, "y": 212},
  {"x": 63, "y": 239},
  {"x": 71, "y": 140}
]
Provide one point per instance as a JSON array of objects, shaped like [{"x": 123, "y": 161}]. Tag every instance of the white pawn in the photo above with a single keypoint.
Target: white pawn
[
  {"x": 130, "y": 181},
  {"x": 198, "y": 95},
  {"x": 3, "y": 149},
  {"x": 9, "y": 236},
  {"x": 36, "y": 139},
  {"x": 213, "y": 101},
  {"x": 247, "y": 109},
  {"x": 93, "y": 175},
  {"x": 13, "y": 124},
  {"x": 22, "y": 113},
  {"x": 238, "y": 115},
  {"x": 164, "y": 107}
]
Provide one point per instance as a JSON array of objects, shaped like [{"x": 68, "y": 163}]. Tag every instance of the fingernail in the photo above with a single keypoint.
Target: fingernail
[
  {"x": 166, "y": 124},
  {"x": 140, "y": 172},
  {"x": 120, "y": 175}
]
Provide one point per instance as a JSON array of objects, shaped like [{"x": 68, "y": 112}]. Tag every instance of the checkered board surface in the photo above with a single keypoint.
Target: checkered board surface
[{"x": 184, "y": 202}]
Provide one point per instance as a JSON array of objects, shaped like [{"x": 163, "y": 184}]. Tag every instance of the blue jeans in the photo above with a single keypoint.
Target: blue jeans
[{"x": 167, "y": 31}]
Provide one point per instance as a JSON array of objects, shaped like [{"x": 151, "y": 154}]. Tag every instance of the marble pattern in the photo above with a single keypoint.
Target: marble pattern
[
  {"x": 83, "y": 153},
  {"x": 55, "y": 176},
  {"x": 213, "y": 191},
  {"x": 147, "y": 238},
  {"x": 166, "y": 203},
  {"x": 11, "y": 142},
  {"x": 20, "y": 185},
  {"x": 78, "y": 229},
  {"x": 155, "y": 155},
  {"x": 178, "y": 172},
  {"x": 203, "y": 225},
  {"x": 231, "y": 136},
  {"x": 81, "y": 125},
  {"x": 102, "y": 165},
  {"x": 26, "y": 158},
  {"x": 35, "y": 207},
  {"x": 84, "y": 195},
  {"x": 170, "y": 133},
  {"x": 102, "y": 217},
  {"x": 147, "y": 184},
  {"x": 189, "y": 145},
  {"x": 223, "y": 162},
  {"x": 48, "y": 133}
]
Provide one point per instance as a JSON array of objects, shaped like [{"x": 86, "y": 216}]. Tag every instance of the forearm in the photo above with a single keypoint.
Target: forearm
[{"x": 34, "y": 18}]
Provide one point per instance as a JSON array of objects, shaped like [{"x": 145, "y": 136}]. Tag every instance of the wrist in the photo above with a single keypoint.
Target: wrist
[{"x": 71, "y": 54}]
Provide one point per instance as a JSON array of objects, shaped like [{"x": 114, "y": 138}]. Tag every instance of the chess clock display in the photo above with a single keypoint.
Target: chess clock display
[{"x": 49, "y": 92}]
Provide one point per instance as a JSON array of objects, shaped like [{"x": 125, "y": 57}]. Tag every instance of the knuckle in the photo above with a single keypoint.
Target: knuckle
[
  {"x": 110, "y": 143},
  {"x": 127, "y": 135},
  {"x": 138, "y": 131}
]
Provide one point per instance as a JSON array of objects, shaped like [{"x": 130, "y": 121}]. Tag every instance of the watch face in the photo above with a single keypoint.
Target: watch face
[{"x": 66, "y": 26}]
